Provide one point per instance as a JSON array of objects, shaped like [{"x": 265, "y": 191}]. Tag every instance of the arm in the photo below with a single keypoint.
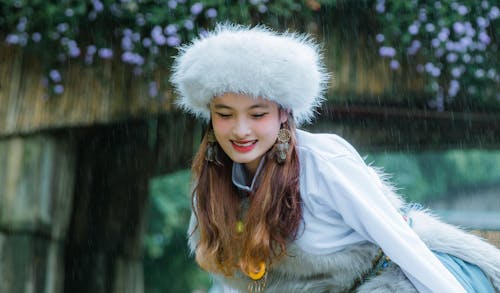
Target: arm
[{"x": 355, "y": 192}]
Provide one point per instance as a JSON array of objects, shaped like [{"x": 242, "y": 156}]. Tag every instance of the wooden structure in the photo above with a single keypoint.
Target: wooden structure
[{"x": 75, "y": 167}]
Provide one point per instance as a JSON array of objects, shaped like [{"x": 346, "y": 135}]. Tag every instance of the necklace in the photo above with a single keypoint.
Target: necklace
[{"x": 258, "y": 277}]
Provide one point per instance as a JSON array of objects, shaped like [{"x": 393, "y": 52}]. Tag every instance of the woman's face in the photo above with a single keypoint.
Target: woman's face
[{"x": 245, "y": 127}]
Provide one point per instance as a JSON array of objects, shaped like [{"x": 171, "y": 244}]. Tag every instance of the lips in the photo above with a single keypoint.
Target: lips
[{"x": 243, "y": 146}]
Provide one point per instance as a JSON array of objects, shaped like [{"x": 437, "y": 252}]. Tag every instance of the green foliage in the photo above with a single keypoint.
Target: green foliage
[
  {"x": 167, "y": 264},
  {"x": 139, "y": 33},
  {"x": 453, "y": 44},
  {"x": 436, "y": 175}
]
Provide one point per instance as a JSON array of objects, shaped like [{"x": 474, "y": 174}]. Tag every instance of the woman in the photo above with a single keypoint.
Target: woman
[{"x": 277, "y": 209}]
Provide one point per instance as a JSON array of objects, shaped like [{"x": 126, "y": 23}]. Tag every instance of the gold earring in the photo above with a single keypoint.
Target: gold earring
[
  {"x": 212, "y": 151},
  {"x": 282, "y": 145}
]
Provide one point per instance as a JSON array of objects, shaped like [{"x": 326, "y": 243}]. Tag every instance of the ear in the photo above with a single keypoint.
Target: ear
[{"x": 284, "y": 113}]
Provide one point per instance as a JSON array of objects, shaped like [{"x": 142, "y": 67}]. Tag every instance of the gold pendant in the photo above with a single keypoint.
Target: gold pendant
[
  {"x": 259, "y": 278},
  {"x": 257, "y": 286}
]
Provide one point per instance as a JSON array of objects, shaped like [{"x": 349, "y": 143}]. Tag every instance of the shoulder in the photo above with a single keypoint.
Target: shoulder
[{"x": 325, "y": 146}]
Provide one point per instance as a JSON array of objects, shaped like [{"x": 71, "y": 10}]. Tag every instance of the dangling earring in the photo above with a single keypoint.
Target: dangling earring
[
  {"x": 282, "y": 145},
  {"x": 212, "y": 152}
]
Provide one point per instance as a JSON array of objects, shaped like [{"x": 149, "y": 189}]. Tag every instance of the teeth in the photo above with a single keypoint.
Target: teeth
[{"x": 243, "y": 144}]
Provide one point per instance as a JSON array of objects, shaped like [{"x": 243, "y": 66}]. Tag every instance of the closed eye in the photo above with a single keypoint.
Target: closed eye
[
  {"x": 223, "y": 116},
  {"x": 259, "y": 115}
]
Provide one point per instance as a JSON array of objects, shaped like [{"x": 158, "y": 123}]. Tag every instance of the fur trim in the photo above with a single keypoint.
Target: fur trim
[{"x": 286, "y": 68}]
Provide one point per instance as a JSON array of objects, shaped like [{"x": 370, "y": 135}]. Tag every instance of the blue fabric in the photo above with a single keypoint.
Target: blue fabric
[{"x": 470, "y": 276}]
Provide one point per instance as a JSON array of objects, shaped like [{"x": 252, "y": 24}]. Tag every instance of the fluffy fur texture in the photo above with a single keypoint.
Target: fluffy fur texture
[
  {"x": 286, "y": 68},
  {"x": 304, "y": 272}
]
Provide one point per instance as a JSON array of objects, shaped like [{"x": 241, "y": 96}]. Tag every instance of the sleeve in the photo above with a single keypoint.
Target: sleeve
[{"x": 354, "y": 191}]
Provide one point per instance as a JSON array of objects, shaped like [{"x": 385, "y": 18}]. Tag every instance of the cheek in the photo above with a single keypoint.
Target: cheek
[
  {"x": 220, "y": 126},
  {"x": 269, "y": 127}
]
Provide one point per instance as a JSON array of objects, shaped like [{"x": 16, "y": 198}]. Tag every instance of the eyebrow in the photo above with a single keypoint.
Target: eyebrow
[{"x": 222, "y": 106}]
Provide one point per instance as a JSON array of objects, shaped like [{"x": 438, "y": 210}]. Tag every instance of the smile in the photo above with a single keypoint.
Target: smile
[{"x": 243, "y": 146}]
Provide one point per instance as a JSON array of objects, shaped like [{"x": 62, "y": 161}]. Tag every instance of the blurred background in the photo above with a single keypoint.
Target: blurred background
[{"x": 94, "y": 156}]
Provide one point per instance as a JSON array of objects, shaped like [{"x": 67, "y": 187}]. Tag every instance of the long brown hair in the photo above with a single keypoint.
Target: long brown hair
[{"x": 272, "y": 218}]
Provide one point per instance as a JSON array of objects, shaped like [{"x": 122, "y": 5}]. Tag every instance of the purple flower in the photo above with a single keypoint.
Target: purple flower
[
  {"x": 430, "y": 27},
  {"x": 380, "y": 38},
  {"x": 172, "y": 4},
  {"x": 58, "y": 89},
  {"x": 439, "y": 52},
  {"x": 394, "y": 64},
  {"x": 479, "y": 59},
  {"x": 380, "y": 7},
  {"x": 69, "y": 12},
  {"x": 105, "y": 53},
  {"x": 462, "y": 10},
  {"x": 146, "y": 42},
  {"x": 466, "y": 58},
  {"x": 203, "y": 33},
  {"x": 466, "y": 42},
  {"x": 152, "y": 89},
  {"x": 413, "y": 28},
  {"x": 494, "y": 13},
  {"x": 482, "y": 22},
  {"x": 451, "y": 57},
  {"x": 157, "y": 36},
  {"x": 74, "y": 51},
  {"x": 484, "y": 38},
  {"x": 492, "y": 73},
  {"x": 387, "y": 52},
  {"x": 414, "y": 47},
  {"x": 36, "y": 37},
  {"x": 211, "y": 13},
  {"x": 132, "y": 58},
  {"x": 173, "y": 41},
  {"x": 127, "y": 32},
  {"x": 479, "y": 73},
  {"x": 454, "y": 88},
  {"x": 98, "y": 6},
  {"x": 420, "y": 68},
  {"x": 140, "y": 20},
  {"x": 196, "y": 8},
  {"x": 456, "y": 72},
  {"x": 188, "y": 24},
  {"x": 127, "y": 44},
  {"x": 443, "y": 35},
  {"x": 136, "y": 37},
  {"x": 170, "y": 29},
  {"x": 459, "y": 28},
  {"x": 262, "y": 8},
  {"x": 62, "y": 27},
  {"x": 12, "y": 39},
  {"x": 91, "y": 49},
  {"x": 435, "y": 43},
  {"x": 422, "y": 15},
  {"x": 21, "y": 26},
  {"x": 55, "y": 76},
  {"x": 432, "y": 69}
]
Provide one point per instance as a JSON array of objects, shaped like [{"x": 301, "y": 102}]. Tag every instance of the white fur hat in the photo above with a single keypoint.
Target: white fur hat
[{"x": 286, "y": 68}]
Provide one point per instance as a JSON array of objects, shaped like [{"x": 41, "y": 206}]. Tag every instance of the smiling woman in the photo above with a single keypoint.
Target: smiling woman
[
  {"x": 246, "y": 128},
  {"x": 278, "y": 209}
]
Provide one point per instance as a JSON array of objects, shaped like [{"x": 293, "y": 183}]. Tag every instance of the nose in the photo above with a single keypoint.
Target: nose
[{"x": 241, "y": 128}]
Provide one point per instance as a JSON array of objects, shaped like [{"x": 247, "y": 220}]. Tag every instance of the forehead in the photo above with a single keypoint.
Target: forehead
[{"x": 240, "y": 101}]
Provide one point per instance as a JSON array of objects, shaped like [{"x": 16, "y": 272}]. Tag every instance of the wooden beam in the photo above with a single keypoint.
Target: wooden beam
[{"x": 404, "y": 129}]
